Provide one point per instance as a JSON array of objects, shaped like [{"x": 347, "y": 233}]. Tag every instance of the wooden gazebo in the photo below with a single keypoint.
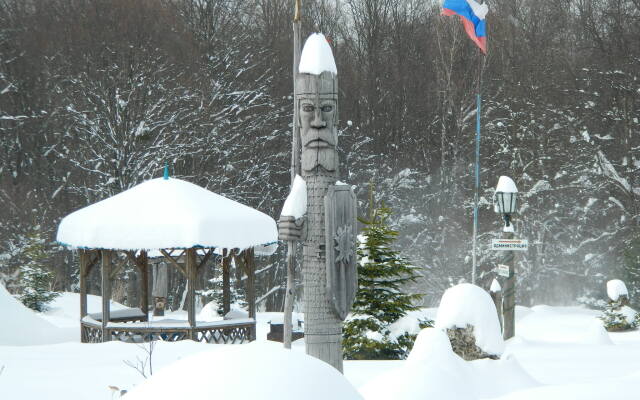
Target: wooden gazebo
[{"x": 125, "y": 227}]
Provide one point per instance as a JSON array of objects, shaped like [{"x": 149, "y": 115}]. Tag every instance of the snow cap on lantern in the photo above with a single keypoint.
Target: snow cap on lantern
[{"x": 505, "y": 196}]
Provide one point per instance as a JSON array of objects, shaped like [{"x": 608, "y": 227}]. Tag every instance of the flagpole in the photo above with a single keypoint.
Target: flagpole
[
  {"x": 472, "y": 15},
  {"x": 477, "y": 185},
  {"x": 477, "y": 167}
]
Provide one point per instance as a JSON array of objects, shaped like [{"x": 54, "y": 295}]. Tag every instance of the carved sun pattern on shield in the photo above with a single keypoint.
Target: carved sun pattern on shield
[{"x": 344, "y": 244}]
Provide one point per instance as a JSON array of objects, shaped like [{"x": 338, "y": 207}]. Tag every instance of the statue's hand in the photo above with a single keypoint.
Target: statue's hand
[
  {"x": 302, "y": 224},
  {"x": 290, "y": 228}
]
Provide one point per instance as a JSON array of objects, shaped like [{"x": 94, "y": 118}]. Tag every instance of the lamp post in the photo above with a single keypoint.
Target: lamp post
[{"x": 504, "y": 201}]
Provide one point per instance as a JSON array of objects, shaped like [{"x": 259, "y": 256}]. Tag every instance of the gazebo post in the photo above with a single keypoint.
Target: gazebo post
[
  {"x": 191, "y": 290},
  {"x": 226, "y": 282},
  {"x": 84, "y": 261},
  {"x": 106, "y": 292},
  {"x": 143, "y": 263},
  {"x": 251, "y": 287}
]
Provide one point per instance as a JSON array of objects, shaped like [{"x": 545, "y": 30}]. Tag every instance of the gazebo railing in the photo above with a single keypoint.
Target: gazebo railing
[{"x": 218, "y": 332}]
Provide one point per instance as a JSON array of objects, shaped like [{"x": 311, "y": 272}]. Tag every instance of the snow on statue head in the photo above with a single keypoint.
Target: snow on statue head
[{"x": 317, "y": 103}]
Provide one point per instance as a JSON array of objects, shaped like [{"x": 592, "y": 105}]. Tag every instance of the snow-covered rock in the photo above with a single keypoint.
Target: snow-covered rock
[
  {"x": 616, "y": 288},
  {"x": 316, "y": 56},
  {"x": 259, "y": 370},
  {"x": 469, "y": 305},
  {"x": 296, "y": 203}
]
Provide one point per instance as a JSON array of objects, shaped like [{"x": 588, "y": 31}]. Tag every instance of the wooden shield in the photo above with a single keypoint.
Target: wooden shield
[{"x": 340, "y": 240}]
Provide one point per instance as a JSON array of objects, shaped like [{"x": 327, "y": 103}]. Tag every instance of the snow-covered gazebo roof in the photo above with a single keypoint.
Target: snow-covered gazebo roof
[{"x": 167, "y": 213}]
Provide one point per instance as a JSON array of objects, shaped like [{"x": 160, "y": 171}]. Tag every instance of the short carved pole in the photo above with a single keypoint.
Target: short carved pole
[
  {"x": 496, "y": 295},
  {"x": 509, "y": 294},
  {"x": 288, "y": 299},
  {"x": 106, "y": 293}
]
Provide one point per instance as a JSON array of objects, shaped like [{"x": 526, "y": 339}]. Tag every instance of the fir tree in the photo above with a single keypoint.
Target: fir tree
[
  {"x": 35, "y": 278},
  {"x": 380, "y": 301},
  {"x": 215, "y": 293}
]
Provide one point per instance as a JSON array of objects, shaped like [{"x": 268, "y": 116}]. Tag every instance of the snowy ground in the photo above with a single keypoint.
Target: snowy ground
[{"x": 558, "y": 353}]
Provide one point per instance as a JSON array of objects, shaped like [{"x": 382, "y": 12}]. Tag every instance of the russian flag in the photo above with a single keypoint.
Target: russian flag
[{"x": 472, "y": 15}]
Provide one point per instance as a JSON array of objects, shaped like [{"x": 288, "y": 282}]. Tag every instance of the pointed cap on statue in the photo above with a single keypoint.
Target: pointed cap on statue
[
  {"x": 317, "y": 74},
  {"x": 317, "y": 56}
]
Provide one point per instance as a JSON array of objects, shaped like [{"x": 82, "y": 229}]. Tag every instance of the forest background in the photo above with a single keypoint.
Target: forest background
[{"x": 97, "y": 95}]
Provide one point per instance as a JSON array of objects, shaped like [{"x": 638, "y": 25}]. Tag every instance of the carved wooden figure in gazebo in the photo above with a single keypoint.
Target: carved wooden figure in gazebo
[{"x": 122, "y": 229}]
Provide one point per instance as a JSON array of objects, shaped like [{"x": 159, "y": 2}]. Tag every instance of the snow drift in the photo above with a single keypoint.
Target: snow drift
[
  {"x": 24, "y": 327},
  {"x": 434, "y": 371},
  {"x": 259, "y": 370}
]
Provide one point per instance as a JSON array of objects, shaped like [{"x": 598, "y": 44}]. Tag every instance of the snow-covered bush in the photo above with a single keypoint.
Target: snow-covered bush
[
  {"x": 617, "y": 316},
  {"x": 469, "y": 317},
  {"x": 215, "y": 293}
]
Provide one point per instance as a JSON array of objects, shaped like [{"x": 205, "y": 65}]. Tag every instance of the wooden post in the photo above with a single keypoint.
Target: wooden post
[
  {"x": 191, "y": 289},
  {"x": 251, "y": 282},
  {"x": 106, "y": 292},
  {"x": 496, "y": 295},
  {"x": 84, "y": 261},
  {"x": 509, "y": 294},
  {"x": 249, "y": 262},
  {"x": 288, "y": 299},
  {"x": 226, "y": 282},
  {"x": 143, "y": 264}
]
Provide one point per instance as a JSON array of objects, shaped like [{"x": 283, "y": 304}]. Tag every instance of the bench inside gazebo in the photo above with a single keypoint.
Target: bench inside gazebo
[{"x": 126, "y": 227}]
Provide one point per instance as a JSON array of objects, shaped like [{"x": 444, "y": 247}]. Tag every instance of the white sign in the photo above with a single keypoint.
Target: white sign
[
  {"x": 509, "y": 244},
  {"x": 503, "y": 270}
]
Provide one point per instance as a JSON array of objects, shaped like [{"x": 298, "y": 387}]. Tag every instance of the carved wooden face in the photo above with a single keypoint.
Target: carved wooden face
[{"x": 318, "y": 132}]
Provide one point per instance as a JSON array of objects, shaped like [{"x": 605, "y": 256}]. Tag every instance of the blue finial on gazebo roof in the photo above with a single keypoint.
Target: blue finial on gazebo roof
[{"x": 166, "y": 171}]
